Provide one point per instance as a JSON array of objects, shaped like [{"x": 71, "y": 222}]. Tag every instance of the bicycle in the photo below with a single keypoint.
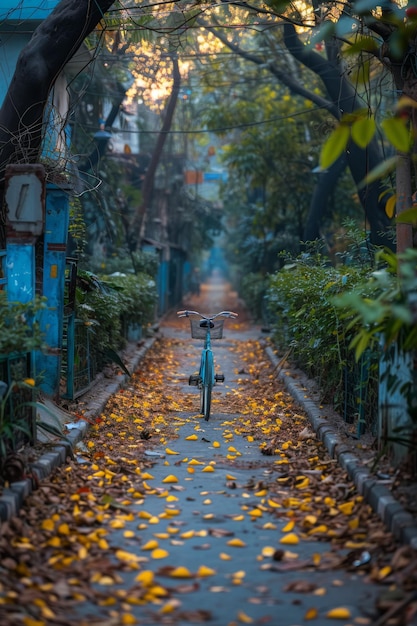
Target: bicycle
[{"x": 207, "y": 328}]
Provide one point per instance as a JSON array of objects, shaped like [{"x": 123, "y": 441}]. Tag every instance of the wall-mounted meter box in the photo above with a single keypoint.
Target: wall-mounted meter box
[{"x": 25, "y": 200}]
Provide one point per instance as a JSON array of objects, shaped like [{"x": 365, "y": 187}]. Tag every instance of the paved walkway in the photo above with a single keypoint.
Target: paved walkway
[{"x": 223, "y": 533}]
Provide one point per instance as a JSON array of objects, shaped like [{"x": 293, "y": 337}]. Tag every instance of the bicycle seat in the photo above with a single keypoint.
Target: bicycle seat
[{"x": 206, "y": 324}]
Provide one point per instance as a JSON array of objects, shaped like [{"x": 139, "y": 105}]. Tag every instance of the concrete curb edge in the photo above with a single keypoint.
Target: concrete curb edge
[
  {"x": 377, "y": 495},
  {"x": 12, "y": 498}
]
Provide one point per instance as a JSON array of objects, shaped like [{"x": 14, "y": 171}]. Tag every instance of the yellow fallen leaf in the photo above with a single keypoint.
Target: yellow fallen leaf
[
  {"x": 128, "y": 618},
  {"x": 187, "y": 534},
  {"x": 236, "y": 543},
  {"x": 273, "y": 504},
  {"x": 311, "y": 614},
  {"x": 170, "y": 479},
  {"x": 288, "y": 527},
  {"x": 289, "y": 539},
  {"x": 230, "y": 477},
  {"x": 169, "y": 451},
  {"x": 268, "y": 551},
  {"x": 216, "y": 444},
  {"x": 147, "y": 476},
  {"x": 159, "y": 553},
  {"x": 261, "y": 493},
  {"x": 117, "y": 523},
  {"x": 181, "y": 572},
  {"x": 232, "y": 449},
  {"x": 195, "y": 462},
  {"x": 269, "y": 526},
  {"x": 346, "y": 508},
  {"x": 225, "y": 557},
  {"x": 384, "y": 572},
  {"x": 150, "y": 545},
  {"x": 48, "y": 524},
  {"x": 146, "y": 577},
  {"x": 340, "y": 612},
  {"x": 208, "y": 468},
  {"x": 255, "y": 513},
  {"x": 245, "y": 619},
  {"x": 191, "y": 438},
  {"x": 249, "y": 438},
  {"x": 205, "y": 571},
  {"x": 63, "y": 529}
]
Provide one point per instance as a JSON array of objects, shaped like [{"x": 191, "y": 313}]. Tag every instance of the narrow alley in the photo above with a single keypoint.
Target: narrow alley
[{"x": 164, "y": 518}]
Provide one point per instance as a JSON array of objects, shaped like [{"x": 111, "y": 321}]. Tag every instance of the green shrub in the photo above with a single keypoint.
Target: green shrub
[
  {"x": 136, "y": 295},
  {"x": 305, "y": 319},
  {"x": 252, "y": 289}
]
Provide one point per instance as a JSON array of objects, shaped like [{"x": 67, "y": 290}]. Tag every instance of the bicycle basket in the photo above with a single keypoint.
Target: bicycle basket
[{"x": 200, "y": 333}]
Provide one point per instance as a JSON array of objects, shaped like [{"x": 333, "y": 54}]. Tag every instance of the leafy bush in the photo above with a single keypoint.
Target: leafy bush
[
  {"x": 136, "y": 294},
  {"x": 305, "y": 319},
  {"x": 253, "y": 289},
  {"x": 108, "y": 303},
  {"x": 19, "y": 328}
]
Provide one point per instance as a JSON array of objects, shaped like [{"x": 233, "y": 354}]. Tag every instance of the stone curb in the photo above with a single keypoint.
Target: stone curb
[
  {"x": 397, "y": 520},
  {"x": 13, "y": 497}
]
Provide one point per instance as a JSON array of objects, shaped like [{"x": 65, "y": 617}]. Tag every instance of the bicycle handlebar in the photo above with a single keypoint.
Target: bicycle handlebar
[{"x": 230, "y": 314}]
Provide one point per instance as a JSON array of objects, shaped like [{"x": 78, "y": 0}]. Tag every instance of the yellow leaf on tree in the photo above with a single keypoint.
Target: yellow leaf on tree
[
  {"x": 289, "y": 539},
  {"x": 340, "y": 612},
  {"x": 170, "y": 479}
]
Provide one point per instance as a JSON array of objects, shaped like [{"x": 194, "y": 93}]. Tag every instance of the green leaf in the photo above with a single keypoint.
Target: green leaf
[
  {"x": 409, "y": 216},
  {"x": 380, "y": 171},
  {"x": 113, "y": 356},
  {"x": 363, "y": 131},
  {"x": 397, "y": 133},
  {"x": 334, "y": 146}
]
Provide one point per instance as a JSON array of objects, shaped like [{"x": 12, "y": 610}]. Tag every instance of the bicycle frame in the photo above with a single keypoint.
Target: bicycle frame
[{"x": 207, "y": 377}]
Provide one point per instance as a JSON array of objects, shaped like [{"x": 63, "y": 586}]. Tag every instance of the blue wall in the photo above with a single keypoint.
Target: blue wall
[{"x": 17, "y": 24}]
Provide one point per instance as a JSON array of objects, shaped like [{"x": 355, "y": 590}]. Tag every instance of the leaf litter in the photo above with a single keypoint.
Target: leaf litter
[{"x": 62, "y": 562}]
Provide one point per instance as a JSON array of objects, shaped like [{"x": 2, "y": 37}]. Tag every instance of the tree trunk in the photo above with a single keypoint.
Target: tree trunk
[
  {"x": 134, "y": 234},
  {"x": 52, "y": 45},
  {"x": 360, "y": 161}
]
